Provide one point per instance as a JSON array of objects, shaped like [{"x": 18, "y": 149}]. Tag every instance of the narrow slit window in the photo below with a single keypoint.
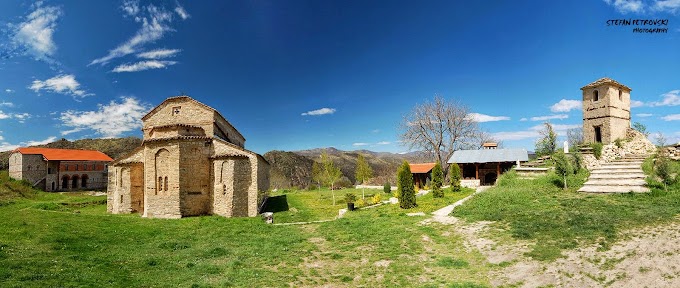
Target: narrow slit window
[{"x": 165, "y": 184}]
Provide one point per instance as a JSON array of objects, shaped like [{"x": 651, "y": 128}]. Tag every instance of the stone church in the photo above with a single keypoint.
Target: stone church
[
  {"x": 606, "y": 111},
  {"x": 191, "y": 162}
]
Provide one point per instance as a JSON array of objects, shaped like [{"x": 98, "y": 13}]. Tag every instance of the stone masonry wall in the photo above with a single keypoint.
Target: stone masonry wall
[
  {"x": 165, "y": 202},
  {"x": 610, "y": 111},
  {"x": 194, "y": 177},
  {"x": 635, "y": 143},
  {"x": 190, "y": 113}
]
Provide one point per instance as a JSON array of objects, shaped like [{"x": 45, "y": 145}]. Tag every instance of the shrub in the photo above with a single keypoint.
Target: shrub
[
  {"x": 454, "y": 177},
  {"x": 578, "y": 162},
  {"x": 619, "y": 142},
  {"x": 376, "y": 198},
  {"x": 387, "y": 188},
  {"x": 344, "y": 182},
  {"x": 350, "y": 197},
  {"x": 562, "y": 166},
  {"x": 597, "y": 149},
  {"x": 664, "y": 170},
  {"x": 405, "y": 190},
  {"x": 437, "y": 181},
  {"x": 361, "y": 203}
]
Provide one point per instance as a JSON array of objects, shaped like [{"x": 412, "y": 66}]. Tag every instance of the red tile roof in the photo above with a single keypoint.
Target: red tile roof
[
  {"x": 65, "y": 154},
  {"x": 421, "y": 168}
]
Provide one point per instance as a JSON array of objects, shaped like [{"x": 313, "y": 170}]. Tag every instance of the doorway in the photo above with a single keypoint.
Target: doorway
[{"x": 598, "y": 134}]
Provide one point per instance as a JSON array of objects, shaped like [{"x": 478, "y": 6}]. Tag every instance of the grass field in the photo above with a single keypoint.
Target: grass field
[
  {"x": 558, "y": 219},
  {"x": 67, "y": 240}
]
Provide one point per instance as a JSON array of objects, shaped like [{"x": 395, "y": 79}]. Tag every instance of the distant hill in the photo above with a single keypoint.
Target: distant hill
[
  {"x": 114, "y": 147},
  {"x": 294, "y": 169},
  {"x": 288, "y": 169}
]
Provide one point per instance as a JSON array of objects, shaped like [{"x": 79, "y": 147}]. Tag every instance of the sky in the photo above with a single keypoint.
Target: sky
[{"x": 293, "y": 75}]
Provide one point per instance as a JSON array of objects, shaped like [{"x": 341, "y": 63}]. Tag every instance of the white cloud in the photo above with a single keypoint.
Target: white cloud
[
  {"x": 375, "y": 131},
  {"x": 642, "y": 115},
  {"x": 131, "y": 8},
  {"x": 360, "y": 144},
  {"x": 110, "y": 120},
  {"x": 477, "y": 117},
  {"x": 21, "y": 117},
  {"x": 9, "y": 90},
  {"x": 524, "y": 119},
  {"x": 62, "y": 84},
  {"x": 566, "y": 105},
  {"x": 41, "y": 142},
  {"x": 6, "y": 104},
  {"x": 671, "y": 98},
  {"x": 317, "y": 112},
  {"x": 383, "y": 143},
  {"x": 143, "y": 65},
  {"x": 626, "y": 6},
  {"x": 672, "y": 117},
  {"x": 155, "y": 24},
  {"x": 33, "y": 36},
  {"x": 671, "y": 6},
  {"x": 159, "y": 53},
  {"x": 4, "y": 115},
  {"x": 6, "y": 146},
  {"x": 636, "y": 103},
  {"x": 181, "y": 12},
  {"x": 550, "y": 117},
  {"x": 533, "y": 132}
]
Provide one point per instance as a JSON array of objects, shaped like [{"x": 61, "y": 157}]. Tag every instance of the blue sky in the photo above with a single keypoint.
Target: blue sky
[{"x": 294, "y": 75}]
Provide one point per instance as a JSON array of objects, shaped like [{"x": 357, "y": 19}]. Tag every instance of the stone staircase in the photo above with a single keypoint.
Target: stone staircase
[{"x": 620, "y": 176}]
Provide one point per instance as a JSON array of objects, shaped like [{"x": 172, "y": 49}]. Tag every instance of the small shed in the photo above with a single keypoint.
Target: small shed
[
  {"x": 484, "y": 166},
  {"x": 421, "y": 173}
]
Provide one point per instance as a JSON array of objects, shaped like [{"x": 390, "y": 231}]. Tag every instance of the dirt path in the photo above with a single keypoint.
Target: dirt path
[{"x": 647, "y": 257}]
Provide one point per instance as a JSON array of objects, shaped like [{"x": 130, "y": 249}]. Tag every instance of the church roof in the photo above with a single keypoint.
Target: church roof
[
  {"x": 53, "y": 154},
  {"x": 606, "y": 81},
  {"x": 489, "y": 155}
]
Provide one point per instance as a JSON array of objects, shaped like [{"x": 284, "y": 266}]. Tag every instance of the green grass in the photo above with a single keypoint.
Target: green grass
[
  {"x": 556, "y": 219},
  {"x": 68, "y": 239}
]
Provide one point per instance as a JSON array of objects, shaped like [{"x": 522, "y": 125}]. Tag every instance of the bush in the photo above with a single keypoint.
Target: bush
[
  {"x": 350, "y": 198},
  {"x": 454, "y": 177},
  {"x": 619, "y": 142},
  {"x": 563, "y": 166},
  {"x": 387, "y": 188},
  {"x": 376, "y": 198},
  {"x": 405, "y": 190},
  {"x": 344, "y": 183},
  {"x": 664, "y": 170},
  {"x": 578, "y": 162},
  {"x": 597, "y": 149},
  {"x": 437, "y": 181}
]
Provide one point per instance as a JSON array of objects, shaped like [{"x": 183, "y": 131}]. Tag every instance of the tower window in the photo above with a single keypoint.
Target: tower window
[
  {"x": 620, "y": 95},
  {"x": 596, "y": 95},
  {"x": 176, "y": 110}
]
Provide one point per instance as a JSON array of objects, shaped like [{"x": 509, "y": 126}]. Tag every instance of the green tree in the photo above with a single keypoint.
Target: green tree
[
  {"x": 547, "y": 143},
  {"x": 664, "y": 170},
  {"x": 363, "y": 172},
  {"x": 317, "y": 173},
  {"x": 387, "y": 188},
  {"x": 405, "y": 189},
  {"x": 437, "y": 180},
  {"x": 454, "y": 177},
  {"x": 563, "y": 166},
  {"x": 641, "y": 128},
  {"x": 331, "y": 173}
]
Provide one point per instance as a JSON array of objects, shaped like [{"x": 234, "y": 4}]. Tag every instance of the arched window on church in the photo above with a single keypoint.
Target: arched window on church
[{"x": 596, "y": 95}]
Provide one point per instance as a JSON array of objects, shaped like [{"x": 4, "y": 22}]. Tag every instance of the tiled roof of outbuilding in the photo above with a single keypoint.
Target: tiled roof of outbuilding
[{"x": 53, "y": 154}]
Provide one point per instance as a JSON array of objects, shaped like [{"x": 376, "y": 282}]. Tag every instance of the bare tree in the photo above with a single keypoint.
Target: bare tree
[
  {"x": 575, "y": 137},
  {"x": 440, "y": 128}
]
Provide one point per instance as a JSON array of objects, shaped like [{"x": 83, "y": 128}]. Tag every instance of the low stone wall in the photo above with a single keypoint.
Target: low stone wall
[
  {"x": 635, "y": 144},
  {"x": 672, "y": 152},
  {"x": 470, "y": 183}
]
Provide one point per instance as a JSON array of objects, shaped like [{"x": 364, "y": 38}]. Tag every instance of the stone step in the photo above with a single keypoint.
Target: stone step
[
  {"x": 618, "y": 176},
  {"x": 625, "y": 162},
  {"x": 621, "y": 166},
  {"x": 612, "y": 189},
  {"x": 614, "y": 182},
  {"x": 616, "y": 171}
]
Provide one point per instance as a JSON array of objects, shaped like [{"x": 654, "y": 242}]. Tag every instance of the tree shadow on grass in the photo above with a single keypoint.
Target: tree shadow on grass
[{"x": 276, "y": 204}]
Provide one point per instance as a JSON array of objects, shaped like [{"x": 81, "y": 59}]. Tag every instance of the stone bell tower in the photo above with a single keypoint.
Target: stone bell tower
[{"x": 606, "y": 111}]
